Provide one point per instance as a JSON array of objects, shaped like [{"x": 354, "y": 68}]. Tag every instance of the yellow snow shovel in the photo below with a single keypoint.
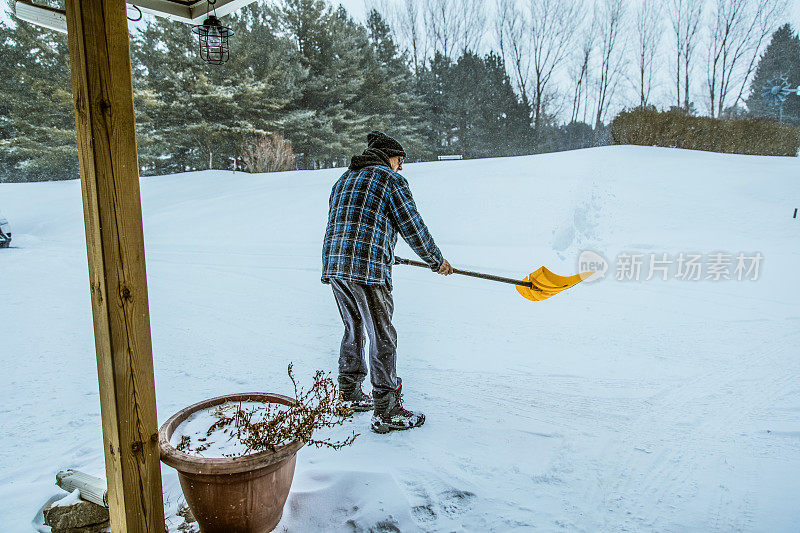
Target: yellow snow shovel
[{"x": 537, "y": 286}]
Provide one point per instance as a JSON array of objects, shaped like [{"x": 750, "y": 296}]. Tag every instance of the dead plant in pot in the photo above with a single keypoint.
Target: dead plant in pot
[{"x": 236, "y": 454}]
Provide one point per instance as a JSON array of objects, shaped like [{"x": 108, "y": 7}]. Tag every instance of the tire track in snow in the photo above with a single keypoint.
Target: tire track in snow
[{"x": 647, "y": 491}]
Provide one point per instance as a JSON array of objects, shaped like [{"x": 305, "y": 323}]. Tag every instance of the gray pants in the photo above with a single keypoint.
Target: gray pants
[{"x": 367, "y": 314}]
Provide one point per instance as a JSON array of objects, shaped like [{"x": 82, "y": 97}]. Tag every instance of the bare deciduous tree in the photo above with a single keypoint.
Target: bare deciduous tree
[
  {"x": 499, "y": 24},
  {"x": 728, "y": 33},
  {"x": 443, "y": 25},
  {"x": 685, "y": 16},
  {"x": 534, "y": 40},
  {"x": 552, "y": 29},
  {"x": 472, "y": 24},
  {"x": 535, "y": 37},
  {"x": 737, "y": 29},
  {"x": 611, "y": 19},
  {"x": 580, "y": 68},
  {"x": 512, "y": 35},
  {"x": 648, "y": 38},
  {"x": 407, "y": 24},
  {"x": 768, "y": 17}
]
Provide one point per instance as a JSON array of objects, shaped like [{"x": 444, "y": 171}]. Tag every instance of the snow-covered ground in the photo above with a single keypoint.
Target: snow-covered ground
[{"x": 615, "y": 406}]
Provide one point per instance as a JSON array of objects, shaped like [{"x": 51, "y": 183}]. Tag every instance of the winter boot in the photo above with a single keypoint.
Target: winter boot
[
  {"x": 353, "y": 398},
  {"x": 389, "y": 414}
]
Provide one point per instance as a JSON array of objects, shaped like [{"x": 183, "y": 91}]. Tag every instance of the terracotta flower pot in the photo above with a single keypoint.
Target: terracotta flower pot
[{"x": 233, "y": 495}]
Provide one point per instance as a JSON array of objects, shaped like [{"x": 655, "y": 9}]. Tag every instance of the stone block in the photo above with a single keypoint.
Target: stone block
[
  {"x": 97, "y": 528},
  {"x": 73, "y": 518}
]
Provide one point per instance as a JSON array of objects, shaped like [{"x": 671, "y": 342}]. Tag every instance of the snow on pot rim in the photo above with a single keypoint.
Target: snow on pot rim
[{"x": 194, "y": 464}]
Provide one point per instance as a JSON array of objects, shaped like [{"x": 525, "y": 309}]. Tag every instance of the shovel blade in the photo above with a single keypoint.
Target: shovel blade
[{"x": 546, "y": 284}]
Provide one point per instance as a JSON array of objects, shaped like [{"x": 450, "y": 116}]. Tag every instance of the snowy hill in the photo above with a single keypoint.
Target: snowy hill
[{"x": 616, "y": 406}]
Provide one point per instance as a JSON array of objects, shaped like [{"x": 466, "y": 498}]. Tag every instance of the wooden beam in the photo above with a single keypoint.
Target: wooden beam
[
  {"x": 99, "y": 52},
  {"x": 223, "y": 7},
  {"x": 188, "y": 12},
  {"x": 166, "y": 9},
  {"x": 44, "y": 16}
]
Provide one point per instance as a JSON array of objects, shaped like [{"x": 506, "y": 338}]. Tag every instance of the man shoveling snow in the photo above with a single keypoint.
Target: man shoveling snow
[{"x": 369, "y": 205}]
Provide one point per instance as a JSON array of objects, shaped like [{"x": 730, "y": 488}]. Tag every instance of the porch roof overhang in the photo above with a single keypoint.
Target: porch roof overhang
[{"x": 188, "y": 11}]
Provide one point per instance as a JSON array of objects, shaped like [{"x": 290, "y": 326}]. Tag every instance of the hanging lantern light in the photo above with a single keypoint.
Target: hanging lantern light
[{"x": 213, "y": 37}]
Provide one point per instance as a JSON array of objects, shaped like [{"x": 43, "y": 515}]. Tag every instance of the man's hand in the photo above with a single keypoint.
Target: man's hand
[{"x": 445, "y": 269}]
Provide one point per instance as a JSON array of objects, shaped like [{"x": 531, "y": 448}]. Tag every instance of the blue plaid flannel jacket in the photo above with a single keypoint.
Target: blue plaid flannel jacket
[{"x": 368, "y": 207}]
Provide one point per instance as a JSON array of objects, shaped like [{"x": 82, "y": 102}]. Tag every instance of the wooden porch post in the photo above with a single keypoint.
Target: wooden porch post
[{"x": 99, "y": 52}]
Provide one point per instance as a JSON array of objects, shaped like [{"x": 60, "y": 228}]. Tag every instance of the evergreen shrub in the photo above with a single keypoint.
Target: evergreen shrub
[{"x": 677, "y": 129}]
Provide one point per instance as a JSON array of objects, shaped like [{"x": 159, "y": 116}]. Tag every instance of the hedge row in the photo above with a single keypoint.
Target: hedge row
[{"x": 676, "y": 129}]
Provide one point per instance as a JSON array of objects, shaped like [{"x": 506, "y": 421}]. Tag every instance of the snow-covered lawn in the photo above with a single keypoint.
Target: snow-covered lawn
[{"x": 615, "y": 406}]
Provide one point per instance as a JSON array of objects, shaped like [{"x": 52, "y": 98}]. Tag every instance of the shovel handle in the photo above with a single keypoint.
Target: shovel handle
[{"x": 401, "y": 261}]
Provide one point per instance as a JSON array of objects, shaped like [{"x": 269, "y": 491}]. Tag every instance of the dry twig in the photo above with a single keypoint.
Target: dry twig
[{"x": 269, "y": 426}]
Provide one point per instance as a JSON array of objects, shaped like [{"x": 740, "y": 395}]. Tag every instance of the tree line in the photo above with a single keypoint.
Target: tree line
[
  {"x": 583, "y": 59},
  {"x": 307, "y": 82}
]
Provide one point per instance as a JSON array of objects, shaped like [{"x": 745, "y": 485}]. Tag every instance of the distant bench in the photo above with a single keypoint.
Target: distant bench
[{"x": 450, "y": 157}]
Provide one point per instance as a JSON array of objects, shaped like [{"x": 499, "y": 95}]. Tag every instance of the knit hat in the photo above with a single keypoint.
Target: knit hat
[{"x": 380, "y": 141}]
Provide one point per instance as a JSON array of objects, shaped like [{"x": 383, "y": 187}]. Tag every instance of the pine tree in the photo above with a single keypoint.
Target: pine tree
[
  {"x": 781, "y": 58},
  {"x": 388, "y": 91},
  {"x": 357, "y": 81},
  {"x": 504, "y": 120},
  {"x": 436, "y": 90},
  {"x": 193, "y": 115},
  {"x": 37, "y": 122},
  {"x": 380, "y": 37},
  {"x": 267, "y": 68},
  {"x": 186, "y": 110},
  {"x": 181, "y": 110},
  {"x": 301, "y": 69},
  {"x": 484, "y": 119},
  {"x": 328, "y": 46}
]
